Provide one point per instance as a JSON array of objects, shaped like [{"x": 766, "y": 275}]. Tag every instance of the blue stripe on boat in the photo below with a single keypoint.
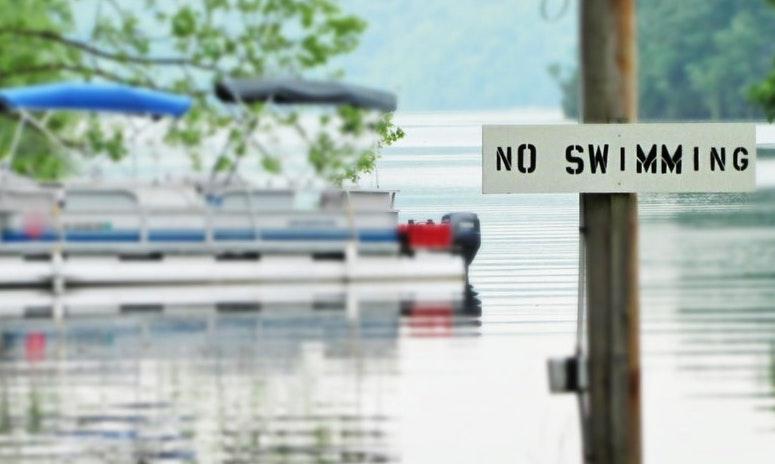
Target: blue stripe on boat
[
  {"x": 197, "y": 235},
  {"x": 176, "y": 235},
  {"x": 102, "y": 235},
  {"x": 10, "y": 235},
  {"x": 365, "y": 235},
  {"x": 234, "y": 234}
]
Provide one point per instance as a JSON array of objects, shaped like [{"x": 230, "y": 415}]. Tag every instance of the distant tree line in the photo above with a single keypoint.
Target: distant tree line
[{"x": 699, "y": 60}]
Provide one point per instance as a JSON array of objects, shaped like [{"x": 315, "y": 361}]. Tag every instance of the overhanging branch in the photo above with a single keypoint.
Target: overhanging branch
[
  {"x": 53, "y": 36},
  {"x": 73, "y": 68},
  {"x": 66, "y": 142},
  {"x": 99, "y": 72}
]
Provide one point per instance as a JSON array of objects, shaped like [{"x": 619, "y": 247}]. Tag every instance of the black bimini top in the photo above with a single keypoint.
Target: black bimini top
[{"x": 299, "y": 91}]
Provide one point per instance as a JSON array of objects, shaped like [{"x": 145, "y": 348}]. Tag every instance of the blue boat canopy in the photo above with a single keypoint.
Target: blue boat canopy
[
  {"x": 94, "y": 97},
  {"x": 304, "y": 92}
]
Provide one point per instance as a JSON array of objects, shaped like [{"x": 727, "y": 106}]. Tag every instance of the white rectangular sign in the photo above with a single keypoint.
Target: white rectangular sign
[{"x": 619, "y": 158}]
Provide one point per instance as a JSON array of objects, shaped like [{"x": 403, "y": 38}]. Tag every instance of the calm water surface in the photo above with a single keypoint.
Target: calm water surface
[{"x": 295, "y": 384}]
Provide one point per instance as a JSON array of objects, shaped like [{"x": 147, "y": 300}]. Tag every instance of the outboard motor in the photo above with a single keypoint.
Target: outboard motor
[{"x": 466, "y": 234}]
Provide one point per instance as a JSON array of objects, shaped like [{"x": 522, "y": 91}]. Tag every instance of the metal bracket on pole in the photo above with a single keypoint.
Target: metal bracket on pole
[{"x": 568, "y": 375}]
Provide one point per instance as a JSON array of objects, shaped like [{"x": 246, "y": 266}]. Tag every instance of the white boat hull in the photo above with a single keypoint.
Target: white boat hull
[
  {"x": 180, "y": 299},
  {"x": 87, "y": 270}
]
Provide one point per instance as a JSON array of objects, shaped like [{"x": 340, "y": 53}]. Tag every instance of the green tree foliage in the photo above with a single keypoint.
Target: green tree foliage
[
  {"x": 764, "y": 92},
  {"x": 24, "y": 62},
  {"x": 184, "y": 47},
  {"x": 698, "y": 59}
]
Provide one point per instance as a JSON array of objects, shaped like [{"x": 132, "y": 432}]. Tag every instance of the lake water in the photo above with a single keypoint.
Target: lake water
[{"x": 293, "y": 384}]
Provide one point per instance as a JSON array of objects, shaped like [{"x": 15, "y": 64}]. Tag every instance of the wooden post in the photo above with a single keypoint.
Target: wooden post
[{"x": 610, "y": 225}]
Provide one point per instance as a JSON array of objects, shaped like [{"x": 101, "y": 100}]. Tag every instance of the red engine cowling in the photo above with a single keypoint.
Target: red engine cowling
[{"x": 428, "y": 236}]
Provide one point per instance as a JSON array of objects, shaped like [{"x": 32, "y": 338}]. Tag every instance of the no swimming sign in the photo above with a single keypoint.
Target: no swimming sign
[{"x": 619, "y": 158}]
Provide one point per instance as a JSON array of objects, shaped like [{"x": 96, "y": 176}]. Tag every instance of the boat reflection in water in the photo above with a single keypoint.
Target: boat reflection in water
[{"x": 270, "y": 382}]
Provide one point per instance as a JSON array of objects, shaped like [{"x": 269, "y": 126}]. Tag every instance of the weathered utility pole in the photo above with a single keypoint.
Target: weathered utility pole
[{"x": 610, "y": 226}]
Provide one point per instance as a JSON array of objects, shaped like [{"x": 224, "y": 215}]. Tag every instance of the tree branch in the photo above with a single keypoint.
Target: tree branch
[
  {"x": 53, "y": 36},
  {"x": 110, "y": 76},
  {"x": 77, "y": 69},
  {"x": 67, "y": 143}
]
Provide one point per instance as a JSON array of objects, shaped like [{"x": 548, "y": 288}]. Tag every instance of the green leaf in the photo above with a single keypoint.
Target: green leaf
[
  {"x": 223, "y": 163},
  {"x": 184, "y": 22},
  {"x": 271, "y": 164}
]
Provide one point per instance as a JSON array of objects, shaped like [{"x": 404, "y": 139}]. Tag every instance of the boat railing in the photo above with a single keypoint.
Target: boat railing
[
  {"x": 72, "y": 217},
  {"x": 207, "y": 228}
]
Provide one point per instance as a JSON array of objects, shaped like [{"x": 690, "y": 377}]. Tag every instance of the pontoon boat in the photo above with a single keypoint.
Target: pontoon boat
[{"x": 57, "y": 238}]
